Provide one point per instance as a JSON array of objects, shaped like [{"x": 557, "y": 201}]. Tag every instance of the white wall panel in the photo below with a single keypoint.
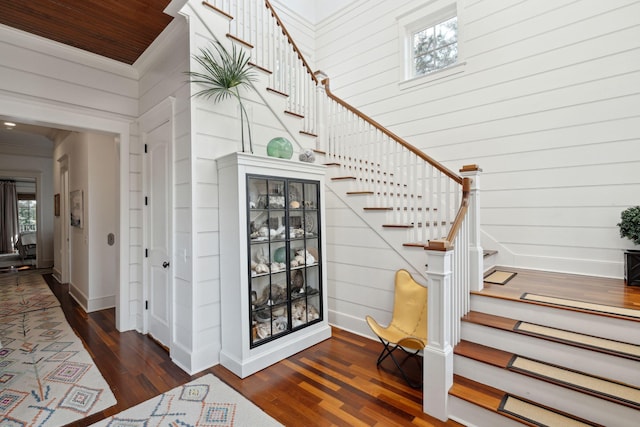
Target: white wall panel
[{"x": 547, "y": 104}]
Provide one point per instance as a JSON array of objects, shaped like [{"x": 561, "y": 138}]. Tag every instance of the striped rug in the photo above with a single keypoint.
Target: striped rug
[
  {"x": 538, "y": 415},
  {"x": 582, "y": 305},
  {"x": 621, "y": 348},
  {"x": 612, "y": 390}
]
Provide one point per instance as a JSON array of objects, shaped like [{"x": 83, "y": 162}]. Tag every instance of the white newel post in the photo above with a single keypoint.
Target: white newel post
[
  {"x": 438, "y": 355},
  {"x": 322, "y": 140},
  {"x": 476, "y": 254}
]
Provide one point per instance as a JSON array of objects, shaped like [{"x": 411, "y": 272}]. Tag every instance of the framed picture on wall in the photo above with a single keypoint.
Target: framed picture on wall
[
  {"x": 56, "y": 204},
  {"x": 77, "y": 208}
]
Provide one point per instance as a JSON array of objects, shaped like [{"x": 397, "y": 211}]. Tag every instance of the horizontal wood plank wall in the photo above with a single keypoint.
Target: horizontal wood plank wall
[
  {"x": 55, "y": 77},
  {"x": 547, "y": 104},
  {"x": 361, "y": 269},
  {"x": 162, "y": 75}
]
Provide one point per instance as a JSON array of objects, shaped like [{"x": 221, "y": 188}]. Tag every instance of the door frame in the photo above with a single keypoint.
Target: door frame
[
  {"x": 65, "y": 252},
  {"x": 157, "y": 116},
  {"x": 78, "y": 119}
]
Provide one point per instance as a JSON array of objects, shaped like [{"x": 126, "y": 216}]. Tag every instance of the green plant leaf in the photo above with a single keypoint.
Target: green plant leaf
[{"x": 630, "y": 224}]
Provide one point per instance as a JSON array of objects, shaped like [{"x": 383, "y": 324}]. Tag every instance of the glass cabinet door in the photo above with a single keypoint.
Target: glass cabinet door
[{"x": 284, "y": 264}]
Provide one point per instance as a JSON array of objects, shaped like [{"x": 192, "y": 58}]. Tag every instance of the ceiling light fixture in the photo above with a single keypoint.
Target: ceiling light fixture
[{"x": 9, "y": 125}]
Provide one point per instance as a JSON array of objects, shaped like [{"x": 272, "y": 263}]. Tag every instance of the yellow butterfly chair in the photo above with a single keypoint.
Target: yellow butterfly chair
[{"x": 407, "y": 330}]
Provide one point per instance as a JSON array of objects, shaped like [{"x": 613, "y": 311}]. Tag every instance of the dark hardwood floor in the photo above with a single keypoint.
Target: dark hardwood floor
[
  {"x": 596, "y": 290},
  {"x": 334, "y": 383}
]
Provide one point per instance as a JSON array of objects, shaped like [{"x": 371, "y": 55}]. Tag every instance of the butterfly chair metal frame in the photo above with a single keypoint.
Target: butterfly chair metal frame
[{"x": 407, "y": 330}]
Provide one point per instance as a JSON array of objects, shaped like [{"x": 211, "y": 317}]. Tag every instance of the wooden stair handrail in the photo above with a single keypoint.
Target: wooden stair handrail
[
  {"x": 290, "y": 39},
  {"x": 405, "y": 144},
  {"x": 447, "y": 244},
  {"x": 441, "y": 244}
]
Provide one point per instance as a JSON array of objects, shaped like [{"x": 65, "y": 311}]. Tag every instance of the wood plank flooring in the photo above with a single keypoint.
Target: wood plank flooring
[
  {"x": 334, "y": 383},
  {"x": 596, "y": 290}
]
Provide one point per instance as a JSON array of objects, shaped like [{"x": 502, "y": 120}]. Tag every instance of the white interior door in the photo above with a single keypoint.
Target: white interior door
[{"x": 158, "y": 233}]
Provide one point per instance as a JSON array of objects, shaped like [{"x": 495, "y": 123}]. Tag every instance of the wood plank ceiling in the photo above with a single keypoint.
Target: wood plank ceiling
[{"x": 117, "y": 29}]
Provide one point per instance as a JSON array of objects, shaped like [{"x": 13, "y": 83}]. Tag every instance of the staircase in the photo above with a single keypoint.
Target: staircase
[
  {"x": 414, "y": 203},
  {"x": 547, "y": 359}
]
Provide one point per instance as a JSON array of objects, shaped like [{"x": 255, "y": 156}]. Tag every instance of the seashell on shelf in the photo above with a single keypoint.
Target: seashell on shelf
[
  {"x": 263, "y": 330},
  {"x": 299, "y": 259},
  {"x": 313, "y": 251},
  {"x": 312, "y": 312},
  {"x": 297, "y": 281},
  {"x": 261, "y": 268}
]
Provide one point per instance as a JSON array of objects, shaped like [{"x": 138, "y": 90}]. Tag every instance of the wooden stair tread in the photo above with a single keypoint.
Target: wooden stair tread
[
  {"x": 260, "y": 68},
  {"x": 343, "y": 178},
  {"x": 477, "y": 393},
  {"x": 304, "y": 132},
  {"x": 277, "y": 92},
  {"x": 574, "y": 339},
  {"x": 379, "y": 193},
  {"x": 504, "y": 360},
  {"x": 219, "y": 11},
  {"x": 491, "y": 320},
  {"x": 293, "y": 114},
  {"x": 490, "y": 398},
  {"x": 414, "y": 245},
  {"x": 488, "y": 253},
  {"x": 483, "y": 353},
  {"x": 239, "y": 40}
]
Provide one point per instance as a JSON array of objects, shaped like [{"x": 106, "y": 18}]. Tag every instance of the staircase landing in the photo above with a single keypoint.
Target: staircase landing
[{"x": 596, "y": 290}]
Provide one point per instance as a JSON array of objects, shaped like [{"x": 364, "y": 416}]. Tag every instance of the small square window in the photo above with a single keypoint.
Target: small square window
[{"x": 435, "y": 47}]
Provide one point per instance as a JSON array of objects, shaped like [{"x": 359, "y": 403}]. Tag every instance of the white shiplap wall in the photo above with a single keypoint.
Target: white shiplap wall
[
  {"x": 204, "y": 132},
  {"x": 547, "y": 104}
]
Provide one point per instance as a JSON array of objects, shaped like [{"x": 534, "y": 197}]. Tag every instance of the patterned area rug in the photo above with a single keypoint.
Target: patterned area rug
[
  {"x": 26, "y": 291},
  {"x": 206, "y": 401},
  {"x": 47, "y": 378}
]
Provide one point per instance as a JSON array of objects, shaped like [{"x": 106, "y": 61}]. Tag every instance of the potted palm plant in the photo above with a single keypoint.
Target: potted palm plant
[
  {"x": 630, "y": 228},
  {"x": 223, "y": 74}
]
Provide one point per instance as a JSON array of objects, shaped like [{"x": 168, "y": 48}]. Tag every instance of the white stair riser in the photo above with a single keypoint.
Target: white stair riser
[
  {"x": 585, "y": 323},
  {"x": 585, "y": 406},
  {"x": 595, "y": 363}
]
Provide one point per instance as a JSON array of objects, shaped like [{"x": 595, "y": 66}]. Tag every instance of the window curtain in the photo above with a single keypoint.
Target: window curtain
[{"x": 8, "y": 216}]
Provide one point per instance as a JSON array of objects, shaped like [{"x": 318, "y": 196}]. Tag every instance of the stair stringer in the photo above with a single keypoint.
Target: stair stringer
[
  {"x": 415, "y": 257},
  {"x": 262, "y": 105}
]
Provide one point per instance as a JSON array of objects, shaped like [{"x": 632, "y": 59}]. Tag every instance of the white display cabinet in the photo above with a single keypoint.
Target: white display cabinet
[{"x": 272, "y": 260}]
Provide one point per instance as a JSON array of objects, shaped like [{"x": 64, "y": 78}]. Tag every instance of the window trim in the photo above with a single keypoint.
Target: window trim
[{"x": 428, "y": 16}]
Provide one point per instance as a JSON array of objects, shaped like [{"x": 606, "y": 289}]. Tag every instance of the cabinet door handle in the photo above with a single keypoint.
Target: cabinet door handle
[{"x": 165, "y": 264}]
